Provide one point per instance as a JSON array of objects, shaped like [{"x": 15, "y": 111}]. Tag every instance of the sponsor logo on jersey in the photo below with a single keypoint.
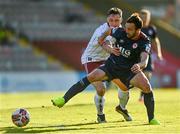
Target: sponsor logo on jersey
[{"x": 124, "y": 52}]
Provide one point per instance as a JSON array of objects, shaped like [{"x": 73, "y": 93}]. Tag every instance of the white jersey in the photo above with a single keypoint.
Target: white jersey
[{"x": 94, "y": 51}]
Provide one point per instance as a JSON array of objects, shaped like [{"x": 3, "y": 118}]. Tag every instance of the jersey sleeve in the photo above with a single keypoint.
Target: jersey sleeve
[
  {"x": 100, "y": 31},
  {"x": 146, "y": 46}
]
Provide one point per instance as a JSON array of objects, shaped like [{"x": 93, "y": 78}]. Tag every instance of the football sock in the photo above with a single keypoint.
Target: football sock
[
  {"x": 123, "y": 98},
  {"x": 149, "y": 103},
  {"x": 76, "y": 88},
  {"x": 99, "y": 101}
]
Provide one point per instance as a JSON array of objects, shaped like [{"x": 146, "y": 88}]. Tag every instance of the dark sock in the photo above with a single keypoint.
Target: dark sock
[
  {"x": 149, "y": 103},
  {"x": 76, "y": 88},
  {"x": 142, "y": 94}
]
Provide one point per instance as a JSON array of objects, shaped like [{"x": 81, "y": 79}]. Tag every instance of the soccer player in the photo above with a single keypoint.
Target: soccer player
[
  {"x": 151, "y": 32},
  {"x": 127, "y": 59},
  {"x": 94, "y": 56}
]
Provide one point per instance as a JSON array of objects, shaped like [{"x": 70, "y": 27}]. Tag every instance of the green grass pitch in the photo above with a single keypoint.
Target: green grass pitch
[{"x": 79, "y": 114}]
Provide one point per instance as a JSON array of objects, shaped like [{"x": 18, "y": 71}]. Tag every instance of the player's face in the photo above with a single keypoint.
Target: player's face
[
  {"x": 114, "y": 20},
  {"x": 145, "y": 18},
  {"x": 130, "y": 30}
]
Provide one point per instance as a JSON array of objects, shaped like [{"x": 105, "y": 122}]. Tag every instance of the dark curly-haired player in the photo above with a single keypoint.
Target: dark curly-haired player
[{"x": 128, "y": 58}]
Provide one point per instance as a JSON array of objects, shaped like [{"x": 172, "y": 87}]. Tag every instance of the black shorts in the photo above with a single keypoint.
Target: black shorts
[
  {"x": 115, "y": 72},
  {"x": 149, "y": 67}
]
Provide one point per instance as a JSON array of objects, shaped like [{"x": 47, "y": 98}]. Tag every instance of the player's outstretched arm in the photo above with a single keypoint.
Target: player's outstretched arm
[
  {"x": 112, "y": 50},
  {"x": 157, "y": 47}
]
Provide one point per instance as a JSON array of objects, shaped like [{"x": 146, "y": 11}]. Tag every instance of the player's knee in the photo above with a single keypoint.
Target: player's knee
[
  {"x": 101, "y": 92},
  {"x": 91, "y": 77},
  {"x": 146, "y": 87}
]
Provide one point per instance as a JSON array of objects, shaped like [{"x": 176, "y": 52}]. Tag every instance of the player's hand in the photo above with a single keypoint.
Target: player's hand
[
  {"x": 136, "y": 68},
  {"x": 115, "y": 51},
  {"x": 159, "y": 57}
]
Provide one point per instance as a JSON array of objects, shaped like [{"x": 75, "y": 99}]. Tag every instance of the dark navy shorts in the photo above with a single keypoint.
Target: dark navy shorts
[
  {"x": 149, "y": 67},
  {"x": 115, "y": 72}
]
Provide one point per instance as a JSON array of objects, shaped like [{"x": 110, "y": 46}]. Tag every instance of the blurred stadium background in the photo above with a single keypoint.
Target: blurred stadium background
[{"x": 41, "y": 41}]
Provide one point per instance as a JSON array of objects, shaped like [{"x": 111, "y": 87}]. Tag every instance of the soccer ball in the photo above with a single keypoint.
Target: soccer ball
[{"x": 20, "y": 117}]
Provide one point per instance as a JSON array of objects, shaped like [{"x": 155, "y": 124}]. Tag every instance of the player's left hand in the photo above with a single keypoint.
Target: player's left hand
[
  {"x": 135, "y": 68},
  {"x": 115, "y": 51},
  {"x": 160, "y": 57}
]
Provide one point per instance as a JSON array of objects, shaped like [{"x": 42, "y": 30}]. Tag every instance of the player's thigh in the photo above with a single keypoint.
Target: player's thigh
[
  {"x": 97, "y": 75},
  {"x": 141, "y": 81},
  {"x": 121, "y": 85},
  {"x": 148, "y": 74}
]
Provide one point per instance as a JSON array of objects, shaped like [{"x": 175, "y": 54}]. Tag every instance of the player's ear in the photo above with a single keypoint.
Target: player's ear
[
  {"x": 121, "y": 20},
  {"x": 138, "y": 30},
  {"x": 107, "y": 19}
]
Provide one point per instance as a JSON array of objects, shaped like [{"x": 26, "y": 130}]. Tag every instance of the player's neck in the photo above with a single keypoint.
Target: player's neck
[
  {"x": 136, "y": 37},
  {"x": 145, "y": 25}
]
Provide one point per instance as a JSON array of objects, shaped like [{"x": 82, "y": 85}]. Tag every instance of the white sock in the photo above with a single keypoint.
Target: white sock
[
  {"x": 105, "y": 84},
  {"x": 123, "y": 98},
  {"x": 99, "y": 101}
]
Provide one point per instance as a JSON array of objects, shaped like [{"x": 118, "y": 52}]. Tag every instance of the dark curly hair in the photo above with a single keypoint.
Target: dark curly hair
[{"x": 135, "y": 18}]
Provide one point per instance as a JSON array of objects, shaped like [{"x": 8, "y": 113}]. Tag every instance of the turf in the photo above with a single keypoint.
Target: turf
[{"x": 79, "y": 115}]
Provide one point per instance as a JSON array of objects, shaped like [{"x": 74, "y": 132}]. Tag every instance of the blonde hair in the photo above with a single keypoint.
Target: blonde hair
[{"x": 145, "y": 11}]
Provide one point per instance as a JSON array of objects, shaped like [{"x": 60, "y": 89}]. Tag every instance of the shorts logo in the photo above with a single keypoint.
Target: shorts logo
[{"x": 134, "y": 45}]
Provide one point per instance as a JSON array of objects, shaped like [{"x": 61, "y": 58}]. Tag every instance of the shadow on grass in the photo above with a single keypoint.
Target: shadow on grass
[{"x": 69, "y": 127}]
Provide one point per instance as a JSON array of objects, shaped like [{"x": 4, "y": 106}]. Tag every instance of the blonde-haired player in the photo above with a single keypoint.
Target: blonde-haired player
[{"x": 151, "y": 32}]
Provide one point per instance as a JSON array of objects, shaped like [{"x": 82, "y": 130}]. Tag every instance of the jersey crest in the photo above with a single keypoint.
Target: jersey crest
[{"x": 135, "y": 45}]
